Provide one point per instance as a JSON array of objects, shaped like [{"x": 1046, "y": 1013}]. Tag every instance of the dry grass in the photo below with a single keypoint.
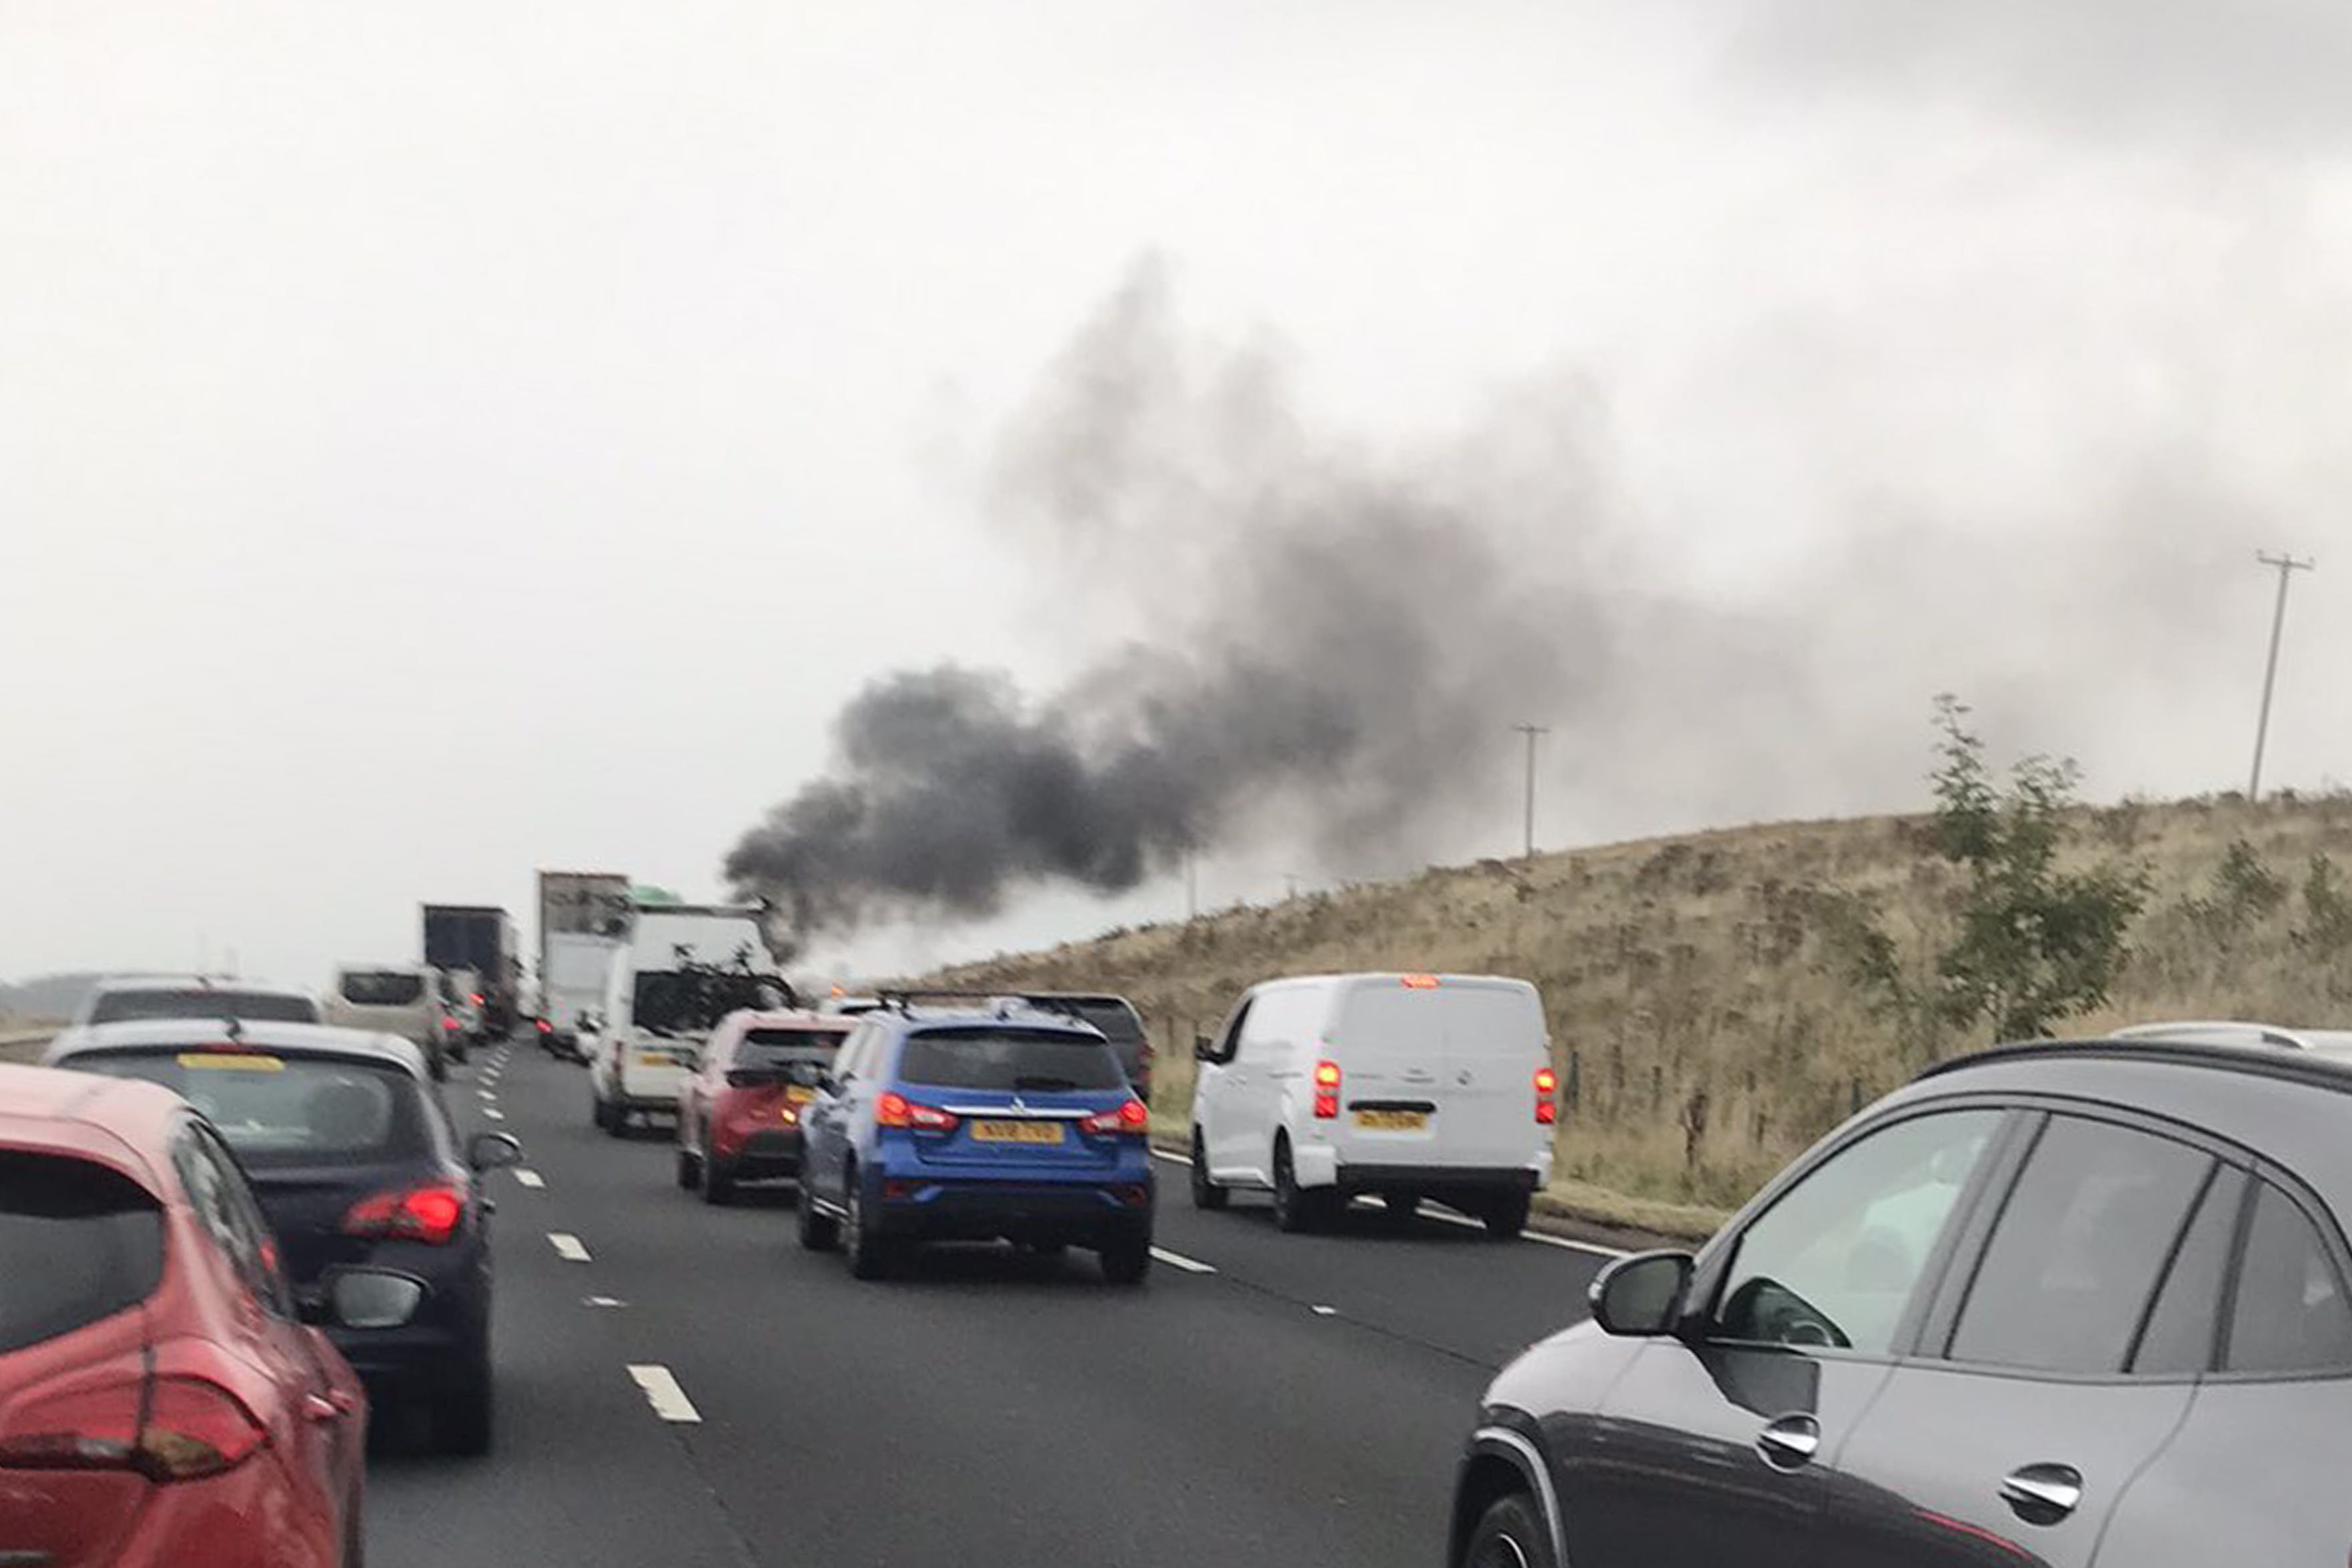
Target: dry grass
[{"x": 1684, "y": 980}]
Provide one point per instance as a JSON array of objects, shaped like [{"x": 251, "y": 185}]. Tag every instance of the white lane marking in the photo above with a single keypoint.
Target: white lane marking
[
  {"x": 662, "y": 1392},
  {"x": 493, "y": 1113},
  {"x": 1325, "y": 1311},
  {"x": 1178, "y": 1260},
  {"x": 530, "y": 1178},
  {"x": 601, "y": 1301},
  {"x": 487, "y": 1096},
  {"x": 1541, "y": 1239},
  {"x": 567, "y": 1246}
]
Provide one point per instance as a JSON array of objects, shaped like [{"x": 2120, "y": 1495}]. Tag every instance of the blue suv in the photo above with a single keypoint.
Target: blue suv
[{"x": 1016, "y": 1124}]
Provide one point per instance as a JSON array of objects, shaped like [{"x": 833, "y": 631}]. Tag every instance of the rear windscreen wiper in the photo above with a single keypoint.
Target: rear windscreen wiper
[{"x": 1044, "y": 1083}]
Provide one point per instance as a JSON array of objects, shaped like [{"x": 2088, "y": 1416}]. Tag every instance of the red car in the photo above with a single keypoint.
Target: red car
[
  {"x": 161, "y": 1406},
  {"x": 738, "y": 1113}
]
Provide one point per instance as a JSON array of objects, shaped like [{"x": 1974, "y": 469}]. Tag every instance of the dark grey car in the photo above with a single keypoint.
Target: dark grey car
[{"x": 2055, "y": 1304}]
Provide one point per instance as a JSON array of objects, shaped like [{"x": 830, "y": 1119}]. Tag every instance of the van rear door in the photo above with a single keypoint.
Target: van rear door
[{"x": 1438, "y": 1072}]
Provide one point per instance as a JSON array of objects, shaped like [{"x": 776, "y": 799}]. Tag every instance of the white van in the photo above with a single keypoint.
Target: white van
[
  {"x": 402, "y": 999},
  {"x": 1407, "y": 1086},
  {"x": 683, "y": 968}
]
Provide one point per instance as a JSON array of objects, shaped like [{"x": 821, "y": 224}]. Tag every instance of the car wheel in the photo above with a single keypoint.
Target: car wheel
[
  {"x": 1293, "y": 1204},
  {"x": 869, "y": 1256},
  {"x": 1509, "y": 1534},
  {"x": 596, "y": 1113},
  {"x": 819, "y": 1232},
  {"x": 1506, "y": 1217},
  {"x": 1206, "y": 1193},
  {"x": 462, "y": 1420},
  {"x": 689, "y": 1168},
  {"x": 1127, "y": 1261}
]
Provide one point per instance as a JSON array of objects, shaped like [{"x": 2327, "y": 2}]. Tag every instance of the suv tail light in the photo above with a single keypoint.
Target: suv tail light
[
  {"x": 477, "y": 998},
  {"x": 428, "y": 1214},
  {"x": 1547, "y": 1108},
  {"x": 447, "y": 1021},
  {"x": 1327, "y": 1090},
  {"x": 1131, "y": 1119},
  {"x": 894, "y": 1110},
  {"x": 193, "y": 1429}
]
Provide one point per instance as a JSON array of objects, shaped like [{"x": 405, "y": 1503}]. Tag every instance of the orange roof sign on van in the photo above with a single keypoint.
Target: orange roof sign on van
[{"x": 1421, "y": 982}]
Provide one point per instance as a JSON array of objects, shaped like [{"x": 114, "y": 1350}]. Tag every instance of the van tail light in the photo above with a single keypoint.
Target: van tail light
[
  {"x": 1327, "y": 1090},
  {"x": 192, "y": 1428},
  {"x": 894, "y": 1110},
  {"x": 477, "y": 998},
  {"x": 428, "y": 1214},
  {"x": 1131, "y": 1119},
  {"x": 449, "y": 1022},
  {"x": 1546, "y": 1106}
]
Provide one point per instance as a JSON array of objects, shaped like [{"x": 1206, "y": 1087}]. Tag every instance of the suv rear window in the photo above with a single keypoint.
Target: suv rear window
[
  {"x": 1115, "y": 1019},
  {"x": 1008, "y": 1059},
  {"x": 78, "y": 1242},
  {"x": 381, "y": 988},
  {"x": 289, "y": 1110},
  {"x": 204, "y": 1002}
]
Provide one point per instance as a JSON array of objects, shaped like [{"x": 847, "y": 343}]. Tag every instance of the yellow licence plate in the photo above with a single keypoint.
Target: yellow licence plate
[
  {"x": 654, "y": 1059},
  {"x": 1016, "y": 1132},
  {"x": 1393, "y": 1120},
  {"x": 230, "y": 1061}
]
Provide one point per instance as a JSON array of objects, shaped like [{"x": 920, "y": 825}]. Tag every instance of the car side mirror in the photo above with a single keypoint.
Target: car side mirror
[
  {"x": 493, "y": 1150},
  {"x": 1641, "y": 1296},
  {"x": 317, "y": 1310},
  {"x": 1204, "y": 1049}
]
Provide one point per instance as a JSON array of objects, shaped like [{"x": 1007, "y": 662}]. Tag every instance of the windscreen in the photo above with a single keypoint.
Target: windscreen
[
  {"x": 693, "y": 1000},
  {"x": 781, "y": 1051},
  {"x": 1009, "y": 1059},
  {"x": 383, "y": 987},
  {"x": 78, "y": 1242},
  {"x": 289, "y": 1110},
  {"x": 204, "y": 1002}
]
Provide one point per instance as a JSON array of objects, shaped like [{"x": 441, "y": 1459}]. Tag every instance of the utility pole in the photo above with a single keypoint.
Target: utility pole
[
  {"x": 2286, "y": 566},
  {"x": 1533, "y": 732}
]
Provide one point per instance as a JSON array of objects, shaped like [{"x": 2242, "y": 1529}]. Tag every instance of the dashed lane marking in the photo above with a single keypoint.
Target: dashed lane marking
[
  {"x": 530, "y": 1178},
  {"x": 1178, "y": 1260},
  {"x": 567, "y": 1246},
  {"x": 662, "y": 1392},
  {"x": 493, "y": 1113}
]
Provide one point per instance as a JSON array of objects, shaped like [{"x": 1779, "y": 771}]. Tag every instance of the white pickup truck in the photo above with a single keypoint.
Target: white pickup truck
[{"x": 682, "y": 969}]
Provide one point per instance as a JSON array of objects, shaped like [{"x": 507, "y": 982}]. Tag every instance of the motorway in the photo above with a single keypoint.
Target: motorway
[{"x": 681, "y": 1386}]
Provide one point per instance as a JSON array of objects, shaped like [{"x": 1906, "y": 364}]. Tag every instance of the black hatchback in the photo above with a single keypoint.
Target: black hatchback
[
  {"x": 2051, "y": 1304},
  {"x": 379, "y": 1214}
]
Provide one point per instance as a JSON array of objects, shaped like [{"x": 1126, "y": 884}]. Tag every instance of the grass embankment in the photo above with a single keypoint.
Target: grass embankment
[{"x": 1704, "y": 1031}]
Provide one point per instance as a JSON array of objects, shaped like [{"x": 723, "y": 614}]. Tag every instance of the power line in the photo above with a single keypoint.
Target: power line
[
  {"x": 2286, "y": 566},
  {"x": 1533, "y": 732}
]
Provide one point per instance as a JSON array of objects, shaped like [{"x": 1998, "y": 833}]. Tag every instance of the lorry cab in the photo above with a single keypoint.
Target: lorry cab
[{"x": 1403, "y": 1086}]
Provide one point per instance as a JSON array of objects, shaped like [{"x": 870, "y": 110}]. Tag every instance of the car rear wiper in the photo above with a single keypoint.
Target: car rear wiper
[{"x": 1044, "y": 1082}]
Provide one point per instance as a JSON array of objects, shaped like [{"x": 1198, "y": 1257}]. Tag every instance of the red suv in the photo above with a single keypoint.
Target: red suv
[
  {"x": 160, "y": 1403},
  {"x": 738, "y": 1113}
]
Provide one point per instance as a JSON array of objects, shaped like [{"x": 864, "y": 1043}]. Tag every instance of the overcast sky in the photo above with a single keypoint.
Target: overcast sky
[{"x": 437, "y": 440}]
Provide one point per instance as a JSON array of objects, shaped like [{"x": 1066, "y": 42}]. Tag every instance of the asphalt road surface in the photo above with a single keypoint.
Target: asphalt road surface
[{"x": 681, "y": 1386}]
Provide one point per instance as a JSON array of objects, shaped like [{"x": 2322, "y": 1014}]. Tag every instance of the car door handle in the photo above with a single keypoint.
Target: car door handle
[
  {"x": 1791, "y": 1442},
  {"x": 2042, "y": 1494},
  {"x": 326, "y": 1407}
]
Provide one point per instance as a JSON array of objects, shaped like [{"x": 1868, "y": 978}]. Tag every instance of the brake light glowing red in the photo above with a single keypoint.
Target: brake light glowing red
[
  {"x": 430, "y": 1215},
  {"x": 193, "y": 1429},
  {"x": 544, "y": 1027},
  {"x": 1547, "y": 1107},
  {"x": 894, "y": 1110},
  {"x": 1131, "y": 1119},
  {"x": 477, "y": 998},
  {"x": 1327, "y": 1090},
  {"x": 449, "y": 1022}
]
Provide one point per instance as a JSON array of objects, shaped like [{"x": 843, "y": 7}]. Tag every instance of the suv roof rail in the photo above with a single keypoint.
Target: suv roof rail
[{"x": 2300, "y": 1067}]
